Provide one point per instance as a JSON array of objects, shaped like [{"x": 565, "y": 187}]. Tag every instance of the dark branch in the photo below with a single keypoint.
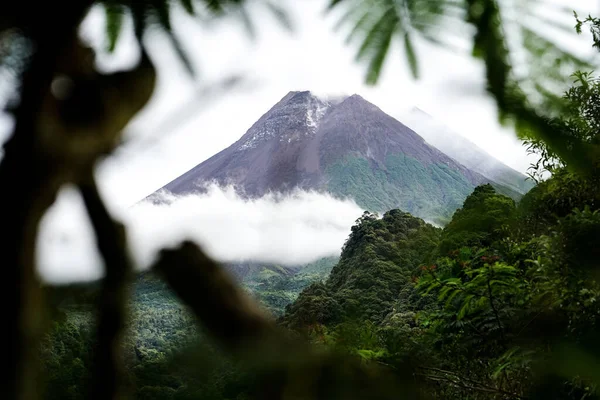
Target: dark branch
[
  {"x": 112, "y": 244},
  {"x": 228, "y": 314},
  {"x": 32, "y": 177}
]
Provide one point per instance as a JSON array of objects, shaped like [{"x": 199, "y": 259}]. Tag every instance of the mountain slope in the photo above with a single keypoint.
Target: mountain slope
[
  {"x": 467, "y": 152},
  {"x": 349, "y": 148}
]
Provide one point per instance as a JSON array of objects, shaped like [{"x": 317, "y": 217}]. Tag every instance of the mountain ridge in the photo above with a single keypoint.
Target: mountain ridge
[
  {"x": 348, "y": 147},
  {"x": 466, "y": 152}
]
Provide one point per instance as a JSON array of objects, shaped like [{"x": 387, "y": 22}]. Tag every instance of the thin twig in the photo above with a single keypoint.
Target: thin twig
[{"x": 473, "y": 384}]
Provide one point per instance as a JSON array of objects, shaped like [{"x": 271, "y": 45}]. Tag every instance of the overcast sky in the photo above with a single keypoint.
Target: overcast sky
[{"x": 312, "y": 57}]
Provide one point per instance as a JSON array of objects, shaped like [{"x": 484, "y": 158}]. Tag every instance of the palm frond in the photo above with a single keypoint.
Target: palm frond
[
  {"x": 280, "y": 14},
  {"x": 114, "y": 23},
  {"x": 375, "y": 25},
  {"x": 411, "y": 55},
  {"x": 157, "y": 13},
  {"x": 526, "y": 69}
]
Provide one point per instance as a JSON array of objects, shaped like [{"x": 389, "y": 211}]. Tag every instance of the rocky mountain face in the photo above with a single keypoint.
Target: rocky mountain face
[
  {"x": 347, "y": 147},
  {"x": 467, "y": 152}
]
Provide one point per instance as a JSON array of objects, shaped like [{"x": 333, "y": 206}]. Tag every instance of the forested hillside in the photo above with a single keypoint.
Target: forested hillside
[
  {"x": 477, "y": 308},
  {"x": 485, "y": 308},
  {"x": 377, "y": 261}
]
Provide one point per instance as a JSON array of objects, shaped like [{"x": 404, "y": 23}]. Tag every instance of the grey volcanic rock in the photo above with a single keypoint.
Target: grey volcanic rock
[
  {"x": 349, "y": 148},
  {"x": 265, "y": 158},
  {"x": 357, "y": 126}
]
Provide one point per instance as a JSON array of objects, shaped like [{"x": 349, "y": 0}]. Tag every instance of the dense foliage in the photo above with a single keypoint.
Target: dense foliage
[
  {"x": 163, "y": 346},
  {"x": 275, "y": 290},
  {"x": 486, "y": 318},
  {"x": 376, "y": 261}
]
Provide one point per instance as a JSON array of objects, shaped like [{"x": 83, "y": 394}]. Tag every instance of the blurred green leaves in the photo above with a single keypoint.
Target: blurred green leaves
[
  {"x": 114, "y": 23},
  {"x": 147, "y": 14},
  {"x": 375, "y": 25},
  {"x": 526, "y": 68}
]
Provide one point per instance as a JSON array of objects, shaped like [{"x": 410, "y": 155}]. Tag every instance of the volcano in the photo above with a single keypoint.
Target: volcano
[{"x": 347, "y": 147}]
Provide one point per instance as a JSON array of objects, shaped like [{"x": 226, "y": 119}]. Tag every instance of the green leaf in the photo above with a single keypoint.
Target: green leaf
[
  {"x": 465, "y": 306},
  {"x": 377, "y": 45},
  {"x": 380, "y": 32},
  {"x": 281, "y": 15},
  {"x": 333, "y": 4},
  {"x": 247, "y": 21},
  {"x": 188, "y": 6},
  {"x": 411, "y": 56},
  {"x": 114, "y": 23},
  {"x": 451, "y": 297},
  {"x": 359, "y": 27}
]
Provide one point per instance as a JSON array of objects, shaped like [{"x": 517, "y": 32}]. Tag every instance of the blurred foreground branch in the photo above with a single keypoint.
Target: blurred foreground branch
[
  {"x": 112, "y": 244},
  {"x": 33, "y": 178},
  {"x": 224, "y": 309},
  {"x": 288, "y": 367}
]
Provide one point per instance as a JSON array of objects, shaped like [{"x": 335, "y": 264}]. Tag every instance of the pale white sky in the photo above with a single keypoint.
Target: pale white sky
[{"x": 313, "y": 57}]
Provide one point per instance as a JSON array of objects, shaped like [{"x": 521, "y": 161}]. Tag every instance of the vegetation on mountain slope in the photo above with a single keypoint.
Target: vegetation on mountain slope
[
  {"x": 431, "y": 192},
  {"x": 468, "y": 153},
  {"x": 377, "y": 260},
  {"x": 508, "y": 308},
  {"x": 275, "y": 291}
]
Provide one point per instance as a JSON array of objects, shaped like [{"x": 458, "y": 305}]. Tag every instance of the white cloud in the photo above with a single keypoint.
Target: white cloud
[
  {"x": 66, "y": 250},
  {"x": 294, "y": 229}
]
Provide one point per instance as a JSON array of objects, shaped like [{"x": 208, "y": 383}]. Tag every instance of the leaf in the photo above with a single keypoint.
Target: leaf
[
  {"x": 465, "y": 307},
  {"x": 451, "y": 297},
  {"x": 247, "y": 21},
  {"x": 444, "y": 292},
  {"x": 411, "y": 56},
  {"x": 188, "y": 6},
  {"x": 161, "y": 11},
  {"x": 281, "y": 15},
  {"x": 380, "y": 32},
  {"x": 333, "y": 4},
  {"x": 358, "y": 27},
  {"x": 378, "y": 41},
  {"x": 114, "y": 23}
]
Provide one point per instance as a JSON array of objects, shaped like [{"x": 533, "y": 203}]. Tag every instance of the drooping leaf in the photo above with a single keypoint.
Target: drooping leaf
[
  {"x": 281, "y": 15},
  {"x": 411, "y": 57},
  {"x": 247, "y": 22},
  {"x": 114, "y": 23}
]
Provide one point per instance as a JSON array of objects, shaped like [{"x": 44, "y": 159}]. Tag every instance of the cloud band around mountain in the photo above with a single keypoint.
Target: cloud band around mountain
[{"x": 291, "y": 229}]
